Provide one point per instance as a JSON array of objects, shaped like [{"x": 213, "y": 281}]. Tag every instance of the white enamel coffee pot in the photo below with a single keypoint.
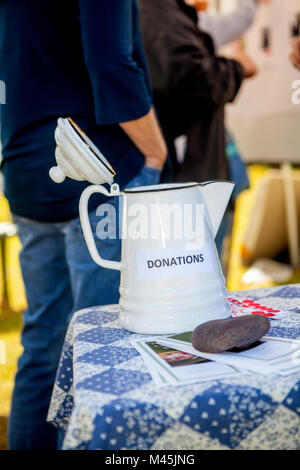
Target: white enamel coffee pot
[{"x": 171, "y": 279}]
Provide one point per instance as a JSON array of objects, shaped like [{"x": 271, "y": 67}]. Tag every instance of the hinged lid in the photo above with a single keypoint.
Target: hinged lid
[{"x": 77, "y": 157}]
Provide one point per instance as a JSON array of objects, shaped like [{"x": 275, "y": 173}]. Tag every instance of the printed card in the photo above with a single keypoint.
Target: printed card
[
  {"x": 178, "y": 367},
  {"x": 249, "y": 306}
]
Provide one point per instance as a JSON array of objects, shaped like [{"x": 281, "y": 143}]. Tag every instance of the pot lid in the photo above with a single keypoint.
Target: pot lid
[{"x": 77, "y": 157}]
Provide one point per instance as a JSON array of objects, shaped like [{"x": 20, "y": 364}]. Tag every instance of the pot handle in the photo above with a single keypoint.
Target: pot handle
[{"x": 86, "y": 226}]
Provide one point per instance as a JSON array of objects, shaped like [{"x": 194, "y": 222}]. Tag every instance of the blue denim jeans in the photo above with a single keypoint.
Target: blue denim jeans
[{"x": 60, "y": 278}]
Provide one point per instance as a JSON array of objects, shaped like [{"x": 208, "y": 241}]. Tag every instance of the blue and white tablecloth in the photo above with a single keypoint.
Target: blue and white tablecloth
[{"x": 104, "y": 397}]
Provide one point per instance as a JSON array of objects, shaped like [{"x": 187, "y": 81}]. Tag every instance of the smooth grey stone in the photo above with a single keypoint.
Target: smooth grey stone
[{"x": 220, "y": 335}]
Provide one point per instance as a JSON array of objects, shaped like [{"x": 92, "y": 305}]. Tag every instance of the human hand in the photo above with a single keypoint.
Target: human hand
[
  {"x": 295, "y": 54},
  {"x": 249, "y": 66},
  {"x": 145, "y": 133},
  {"x": 199, "y": 5}
]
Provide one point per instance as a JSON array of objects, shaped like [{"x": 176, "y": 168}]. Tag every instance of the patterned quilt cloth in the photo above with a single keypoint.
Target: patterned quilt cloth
[{"x": 104, "y": 397}]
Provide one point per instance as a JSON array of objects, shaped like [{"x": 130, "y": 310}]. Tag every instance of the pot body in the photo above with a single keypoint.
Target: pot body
[{"x": 171, "y": 278}]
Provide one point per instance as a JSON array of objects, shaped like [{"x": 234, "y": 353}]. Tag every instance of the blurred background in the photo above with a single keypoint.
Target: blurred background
[{"x": 261, "y": 247}]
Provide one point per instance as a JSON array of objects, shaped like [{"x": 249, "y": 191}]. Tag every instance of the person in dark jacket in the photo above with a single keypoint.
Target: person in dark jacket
[{"x": 191, "y": 86}]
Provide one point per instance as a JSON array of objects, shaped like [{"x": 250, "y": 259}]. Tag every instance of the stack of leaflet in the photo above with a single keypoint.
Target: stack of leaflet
[
  {"x": 267, "y": 356},
  {"x": 174, "y": 360},
  {"x": 168, "y": 365}
]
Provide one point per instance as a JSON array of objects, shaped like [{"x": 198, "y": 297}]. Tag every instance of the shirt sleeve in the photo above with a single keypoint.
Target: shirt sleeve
[
  {"x": 112, "y": 54},
  {"x": 226, "y": 27}
]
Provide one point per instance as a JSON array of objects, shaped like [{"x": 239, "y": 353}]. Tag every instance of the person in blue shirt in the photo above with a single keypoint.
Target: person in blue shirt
[{"x": 82, "y": 59}]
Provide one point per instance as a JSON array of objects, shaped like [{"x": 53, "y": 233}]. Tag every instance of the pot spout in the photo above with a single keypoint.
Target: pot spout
[{"x": 216, "y": 195}]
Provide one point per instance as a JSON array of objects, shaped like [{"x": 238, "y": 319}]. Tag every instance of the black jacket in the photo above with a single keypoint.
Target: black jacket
[{"x": 191, "y": 86}]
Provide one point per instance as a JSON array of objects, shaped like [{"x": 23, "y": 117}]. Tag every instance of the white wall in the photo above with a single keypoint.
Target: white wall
[{"x": 265, "y": 122}]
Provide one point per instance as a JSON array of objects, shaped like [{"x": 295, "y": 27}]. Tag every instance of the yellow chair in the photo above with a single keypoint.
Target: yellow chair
[{"x": 11, "y": 285}]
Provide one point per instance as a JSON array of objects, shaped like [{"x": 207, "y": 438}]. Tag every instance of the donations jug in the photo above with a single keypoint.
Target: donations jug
[{"x": 171, "y": 278}]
